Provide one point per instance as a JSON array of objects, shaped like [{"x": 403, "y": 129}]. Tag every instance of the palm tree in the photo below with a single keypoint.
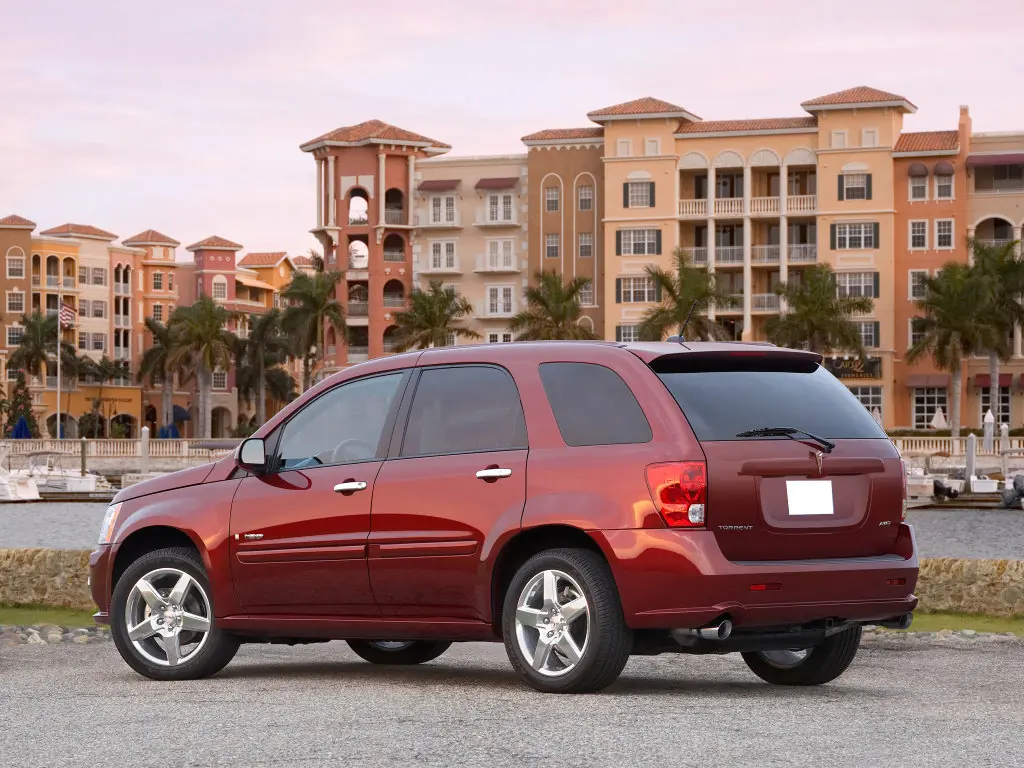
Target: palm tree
[
  {"x": 553, "y": 310},
  {"x": 313, "y": 308},
  {"x": 260, "y": 355},
  {"x": 1003, "y": 275},
  {"x": 816, "y": 315},
  {"x": 156, "y": 365},
  {"x": 950, "y": 326},
  {"x": 684, "y": 288},
  {"x": 316, "y": 259},
  {"x": 39, "y": 344},
  {"x": 201, "y": 345},
  {"x": 100, "y": 371},
  {"x": 432, "y": 317}
]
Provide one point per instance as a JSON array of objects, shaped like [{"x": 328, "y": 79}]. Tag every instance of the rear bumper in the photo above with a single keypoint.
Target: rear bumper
[{"x": 671, "y": 579}]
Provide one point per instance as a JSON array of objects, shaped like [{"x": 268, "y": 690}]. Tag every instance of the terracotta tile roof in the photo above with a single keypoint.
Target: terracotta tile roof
[
  {"x": 764, "y": 124},
  {"x": 302, "y": 261},
  {"x": 564, "y": 134},
  {"x": 215, "y": 242},
  {"x": 648, "y": 105},
  {"x": 928, "y": 141},
  {"x": 262, "y": 259},
  {"x": 862, "y": 94},
  {"x": 151, "y": 237},
  {"x": 17, "y": 222},
  {"x": 371, "y": 130},
  {"x": 82, "y": 230}
]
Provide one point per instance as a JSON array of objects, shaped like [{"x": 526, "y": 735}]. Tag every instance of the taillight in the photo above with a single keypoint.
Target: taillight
[
  {"x": 680, "y": 492},
  {"x": 906, "y": 492}
]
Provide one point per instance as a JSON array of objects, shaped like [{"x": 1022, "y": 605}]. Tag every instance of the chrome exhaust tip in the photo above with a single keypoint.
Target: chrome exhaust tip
[
  {"x": 716, "y": 632},
  {"x": 900, "y": 622}
]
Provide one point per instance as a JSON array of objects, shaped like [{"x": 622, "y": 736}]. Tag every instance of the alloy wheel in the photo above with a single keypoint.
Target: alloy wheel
[
  {"x": 552, "y": 623},
  {"x": 168, "y": 617}
]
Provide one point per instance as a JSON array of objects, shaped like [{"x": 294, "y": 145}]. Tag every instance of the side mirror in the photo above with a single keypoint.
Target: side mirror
[{"x": 251, "y": 455}]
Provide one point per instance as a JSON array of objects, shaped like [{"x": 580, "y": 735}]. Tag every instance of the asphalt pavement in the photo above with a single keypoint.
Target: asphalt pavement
[{"x": 902, "y": 703}]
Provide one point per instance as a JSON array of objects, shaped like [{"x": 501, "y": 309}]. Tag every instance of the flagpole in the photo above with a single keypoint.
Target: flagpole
[{"x": 60, "y": 308}]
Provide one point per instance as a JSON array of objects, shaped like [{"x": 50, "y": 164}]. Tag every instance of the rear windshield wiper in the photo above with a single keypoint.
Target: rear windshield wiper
[{"x": 788, "y": 432}]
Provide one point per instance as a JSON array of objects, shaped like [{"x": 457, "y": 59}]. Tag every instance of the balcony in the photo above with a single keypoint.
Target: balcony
[
  {"x": 53, "y": 281},
  {"x": 729, "y": 254},
  {"x": 358, "y": 309},
  {"x": 699, "y": 256},
  {"x": 499, "y": 310},
  {"x": 395, "y": 302},
  {"x": 394, "y": 217},
  {"x": 764, "y": 302},
  {"x": 494, "y": 266},
  {"x": 121, "y": 353},
  {"x": 764, "y": 206},
  {"x": 358, "y": 354},
  {"x": 70, "y": 283},
  {"x": 391, "y": 254},
  {"x": 122, "y": 321},
  {"x": 994, "y": 242},
  {"x": 390, "y": 347},
  {"x": 442, "y": 269},
  {"x": 765, "y": 254},
  {"x": 737, "y": 306},
  {"x": 122, "y": 289},
  {"x": 803, "y": 253},
  {"x": 802, "y": 204},
  {"x": 693, "y": 209},
  {"x": 729, "y": 206},
  {"x": 36, "y": 279},
  {"x": 488, "y": 217},
  {"x": 445, "y": 221},
  {"x": 52, "y": 311}
]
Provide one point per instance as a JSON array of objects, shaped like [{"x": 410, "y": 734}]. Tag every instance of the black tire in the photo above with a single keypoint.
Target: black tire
[
  {"x": 219, "y": 647},
  {"x": 609, "y": 641},
  {"x": 823, "y": 663},
  {"x": 416, "y": 652}
]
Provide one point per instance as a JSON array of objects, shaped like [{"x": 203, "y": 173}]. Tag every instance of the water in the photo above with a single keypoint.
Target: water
[{"x": 940, "y": 532}]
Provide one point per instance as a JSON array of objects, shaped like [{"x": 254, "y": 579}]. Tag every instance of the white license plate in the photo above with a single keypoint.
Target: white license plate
[{"x": 809, "y": 497}]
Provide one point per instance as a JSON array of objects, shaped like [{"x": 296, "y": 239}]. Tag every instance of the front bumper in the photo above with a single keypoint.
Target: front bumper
[
  {"x": 100, "y": 562},
  {"x": 671, "y": 579}
]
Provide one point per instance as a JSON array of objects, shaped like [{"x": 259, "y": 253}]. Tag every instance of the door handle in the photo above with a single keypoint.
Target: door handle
[
  {"x": 350, "y": 486},
  {"x": 493, "y": 473}
]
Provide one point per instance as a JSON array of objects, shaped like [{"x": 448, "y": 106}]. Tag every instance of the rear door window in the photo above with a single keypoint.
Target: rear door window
[
  {"x": 593, "y": 405},
  {"x": 464, "y": 409},
  {"x": 722, "y": 396}
]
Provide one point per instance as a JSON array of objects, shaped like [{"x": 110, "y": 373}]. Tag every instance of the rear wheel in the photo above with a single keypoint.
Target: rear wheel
[
  {"x": 809, "y": 666},
  {"x": 398, "y": 651},
  {"x": 563, "y": 625}
]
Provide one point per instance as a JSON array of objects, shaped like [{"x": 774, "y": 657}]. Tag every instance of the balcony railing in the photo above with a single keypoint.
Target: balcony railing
[
  {"x": 394, "y": 301},
  {"x": 120, "y": 353},
  {"x": 391, "y": 254},
  {"x": 51, "y": 382},
  {"x": 70, "y": 282},
  {"x": 801, "y": 204},
  {"x": 36, "y": 279},
  {"x": 426, "y": 220},
  {"x": 764, "y": 302},
  {"x": 760, "y": 206},
  {"x": 693, "y": 209},
  {"x": 803, "y": 253},
  {"x": 358, "y": 309},
  {"x": 737, "y": 305},
  {"x": 51, "y": 311},
  {"x": 485, "y": 263},
  {"x": 729, "y": 254},
  {"x": 394, "y": 216},
  {"x": 994, "y": 242},
  {"x": 357, "y": 354},
  {"x": 729, "y": 206},
  {"x": 122, "y": 321},
  {"x": 484, "y": 218},
  {"x": 53, "y": 281},
  {"x": 441, "y": 269},
  {"x": 390, "y": 347},
  {"x": 764, "y": 254},
  {"x": 122, "y": 289},
  {"x": 698, "y": 255}
]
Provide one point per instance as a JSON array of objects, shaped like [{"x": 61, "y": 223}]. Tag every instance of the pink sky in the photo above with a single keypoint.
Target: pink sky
[{"x": 187, "y": 117}]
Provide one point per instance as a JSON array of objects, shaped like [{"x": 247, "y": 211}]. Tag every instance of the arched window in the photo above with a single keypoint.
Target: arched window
[{"x": 220, "y": 287}]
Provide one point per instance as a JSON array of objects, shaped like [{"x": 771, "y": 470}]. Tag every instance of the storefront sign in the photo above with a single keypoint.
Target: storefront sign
[{"x": 854, "y": 367}]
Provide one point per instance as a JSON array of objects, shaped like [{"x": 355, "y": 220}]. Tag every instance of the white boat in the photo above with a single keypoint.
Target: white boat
[
  {"x": 14, "y": 487},
  {"x": 47, "y": 471}
]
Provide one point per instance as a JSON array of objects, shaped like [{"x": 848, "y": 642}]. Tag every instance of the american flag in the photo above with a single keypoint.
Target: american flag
[{"x": 67, "y": 316}]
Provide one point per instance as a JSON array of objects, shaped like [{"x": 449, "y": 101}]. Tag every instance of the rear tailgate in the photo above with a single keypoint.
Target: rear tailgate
[{"x": 776, "y": 498}]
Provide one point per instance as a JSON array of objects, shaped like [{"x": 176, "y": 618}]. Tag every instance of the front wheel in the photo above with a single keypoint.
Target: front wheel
[
  {"x": 810, "y": 666},
  {"x": 401, "y": 652}
]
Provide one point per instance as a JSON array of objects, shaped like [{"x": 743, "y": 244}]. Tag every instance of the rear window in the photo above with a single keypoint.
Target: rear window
[
  {"x": 593, "y": 405},
  {"x": 725, "y": 395}
]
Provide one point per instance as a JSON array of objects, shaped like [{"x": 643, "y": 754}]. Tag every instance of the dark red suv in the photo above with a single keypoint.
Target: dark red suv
[{"x": 580, "y": 501}]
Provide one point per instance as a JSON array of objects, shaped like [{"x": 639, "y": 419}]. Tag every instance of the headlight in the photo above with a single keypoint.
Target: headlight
[{"x": 109, "y": 520}]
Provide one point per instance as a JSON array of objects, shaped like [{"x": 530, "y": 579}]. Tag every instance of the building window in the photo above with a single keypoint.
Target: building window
[
  {"x": 500, "y": 337},
  {"x": 639, "y": 194},
  {"x": 916, "y": 330},
  {"x": 84, "y": 308},
  {"x": 451, "y": 340},
  {"x": 918, "y": 187},
  {"x": 944, "y": 187},
  {"x": 586, "y": 195},
  {"x": 99, "y": 342},
  {"x": 652, "y": 147},
  {"x": 855, "y": 186},
  {"x": 220, "y": 380},
  {"x": 638, "y": 290},
  {"x": 868, "y": 333},
  {"x": 944, "y": 233},
  {"x": 14, "y": 334},
  {"x": 586, "y": 245},
  {"x": 869, "y": 137},
  {"x": 99, "y": 308},
  {"x": 220, "y": 287},
  {"x": 442, "y": 209},
  {"x": 499, "y": 300},
  {"x": 551, "y": 198},
  {"x": 83, "y": 341},
  {"x": 587, "y": 295},
  {"x": 499, "y": 207},
  {"x": 500, "y": 254},
  {"x": 926, "y": 402},
  {"x": 158, "y": 312},
  {"x": 442, "y": 254},
  {"x": 838, "y": 139},
  {"x": 625, "y": 333},
  {"x": 637, "y": 242},
  {"x": 918, "y": 235},
  {"x": 83, "y": 275},
  {"x": 870, "y": 397},
  {"x": 856, "y": 284},
  {"x": 158, "y": 281},
  {"x": 855, "y": 237},
  {"x": 16, "y": 302},
  {"x": 170, "y": 280},
  {"x": 624, "y": 148},
  {"x": 918, "y": 289},
  {"x": 1002, "y": 414},
  {"x": 16, "y": 266},
  {"x": 551, "y": 245},
  {"x": 99, "y": 276}
]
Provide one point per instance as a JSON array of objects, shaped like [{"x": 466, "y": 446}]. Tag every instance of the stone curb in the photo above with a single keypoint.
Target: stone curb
[{"x": 51, "y": 634}]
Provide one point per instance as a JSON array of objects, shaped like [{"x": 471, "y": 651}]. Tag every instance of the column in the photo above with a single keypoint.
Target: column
[
  {"x": 381, "y": 187},
  {"x": 409, "y": 193},
  {"x": 711, "y": 228},
  {"x": 748, "y": 274},
  {"x": 319, "y": 193},
  {"x": 1016, "y": 240},
  {"x": 332, "y": 210},
  {"x": 783, "y": 189},
  {"x": 783, "y": 251},
  {"x": 1017, "y": 342},
  {"x": 970, "y": 251}
]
